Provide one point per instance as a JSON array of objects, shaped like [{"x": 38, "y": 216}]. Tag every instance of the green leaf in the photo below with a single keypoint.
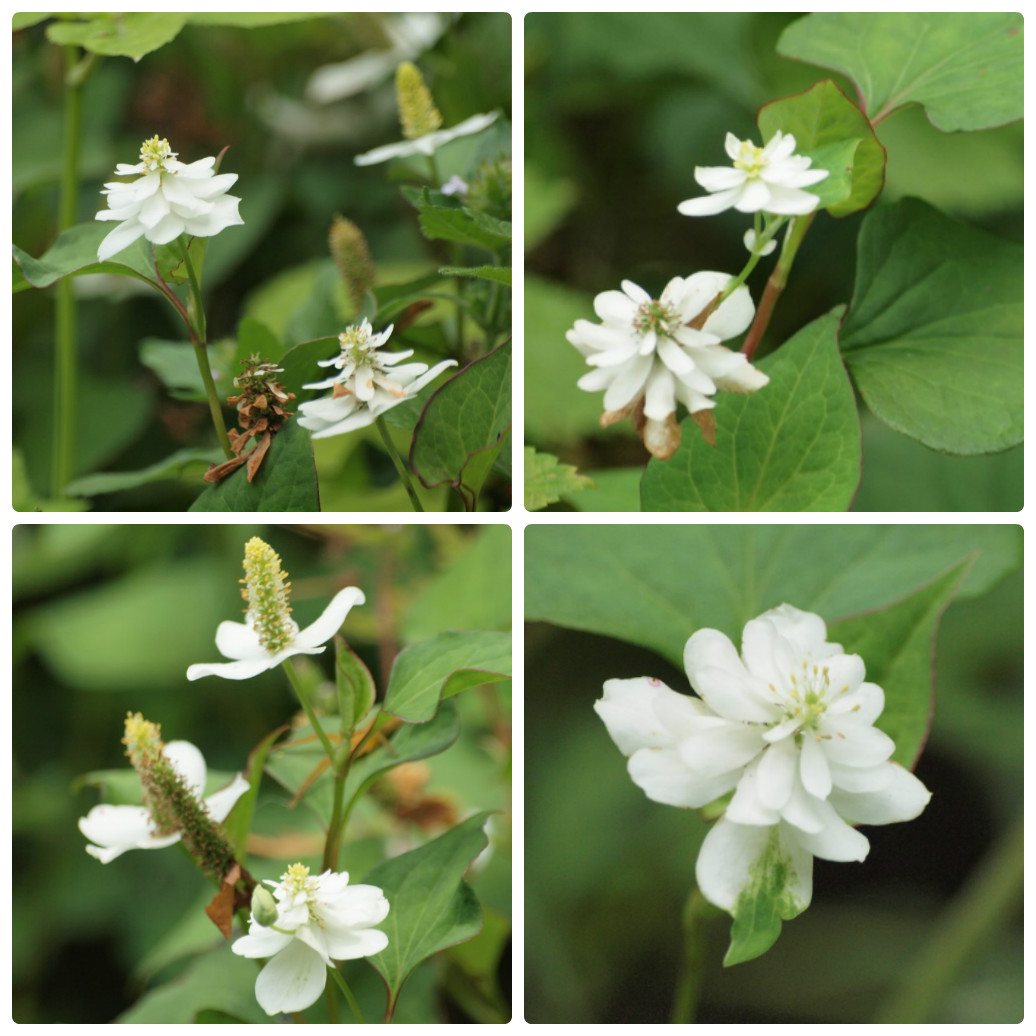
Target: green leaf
[
  {"x": 119, "y": 35},
  {"x": 445, "y": 665},
  {"x": 249, "y": 19},
  {"x": 432, "y": 907},
  {"x": 392, "y": 299},
  {"x": 467, "y": 415},
  {"x": 25, "y": 498},
  {"x": 239, "y": 821},
  {"x": 75, "y": 252},
  {"x": 499, "y": 274},
  {"x": 832, "y": 131},
  {"x": 442, "y": 219},
  {"x": 966, "y": 69},
  {"x": 934, "y": 336},
  {"x": 25, "y": 19},
  {"x": 547, "y": 480},
  {"x": 792, "y": 446},
  {"x": 354, "y": 685},
  {"x": 176, "y": 366},
  {"x": 175, "y": 466},
  {"x": 300, "y": 365},
  {"x": 286, "y": 480},
  {"x": 897, "y": 645},
  {"x": 253, "y": 336},
  {"x": 656, "y": 589},
  {"x": 614, "y": 489},
  {"x": 547, "y": 202}
]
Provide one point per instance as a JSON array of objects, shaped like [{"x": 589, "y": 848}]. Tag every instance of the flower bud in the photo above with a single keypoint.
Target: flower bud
[
  {"x": 349, "y": 250},
  {"x": 264, "y": 906},
  {"x": 418, "y": 115},
  {"x": 267, "y": 592}
]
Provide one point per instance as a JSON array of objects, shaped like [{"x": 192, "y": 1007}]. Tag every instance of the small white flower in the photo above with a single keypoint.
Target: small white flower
[
  {"x": 750, "y": 240},
  {"x": 270, "y": 635},
  {"x": 644, "y": 352},
  {"x": 319, "y": 920},
  {"x": 455, "y": 185},
  {"x": 763, "y": 179},
  {"x": 117, "y": 829},
  {"x": 429, "y": 143},
  {"x": 368, "y": 383},
  {"x": 788, "y": 726},
  {"x": 167, "y": 200}
]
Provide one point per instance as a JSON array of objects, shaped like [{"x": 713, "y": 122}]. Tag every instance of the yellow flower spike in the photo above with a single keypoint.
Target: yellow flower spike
[
  {"x": 267, "y": 592},
  {"x": 418, "y": 115}
]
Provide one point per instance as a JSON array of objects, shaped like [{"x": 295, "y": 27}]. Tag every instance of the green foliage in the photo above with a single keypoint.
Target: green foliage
[
  {"x": 496, "y": 274},
  {"x": 432, "y": 907},
  {"x": 286, "y": 480},
  {"x": 119, "y": 35},
  {"x": 354, "y": 685},
  {"x": 189, "y": 460},
  {"x": 966, "y": 69},
  {"x": 449, "y": 663},
  {"x": 934, "y": 336},
  {"x": 832, "y": 131},
  {"x": 792, "y": 446},
  {"x": 547, "y": 480},
  {"x": 444, "y": 219}
]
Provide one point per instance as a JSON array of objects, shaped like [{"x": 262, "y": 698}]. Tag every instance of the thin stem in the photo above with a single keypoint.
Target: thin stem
[
  {"x": 66, "y": 360},
  {"x": 404, "y": 477},
  {"x": 763, "y": 236},
  {"x": 331, "y": 999},
  {"x": 336, "y": 827},
  {"x": 303, "y": 697},
  {"x": 990, "y": 898},
  {"x": 688, "y": 987},
  {"x": 348, "y": 994},
  {"x": 196, "y": 323}
]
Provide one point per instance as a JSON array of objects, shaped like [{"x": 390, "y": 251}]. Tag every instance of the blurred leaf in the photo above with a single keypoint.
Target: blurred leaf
[
  {"x": 253, "y": 336},
  {"x": 445, "y": 220},
  {"x": 472, "y": 590},
  {"x": 547, "y": 480},
  {"x": 468, "y": 414},
  {"x": 966, "y": 69},
  {"x": 498, "y": 274},
  {"x": 656, "y": 590},
  {"x": 832, "y": 131},
  {"x": 176, "y": 365},
  {"x": 248, "y": 19},
  {"x": 432, "y": 907},
  {"x": 898, "y": 646},
  {"x": 354, "y": 685},
  {"x": 286, "y": 480},
  {"x": 614, "y": 489},
  {"x": 393, "y": 299},
  {"x": 176, "y": 465},
  {"x": 239, "y": 821},
  {"x": 792, "y": 446},
  {"x": 193, "y": 934},
  {"x": 23, "y": 20},
  {"x": 934, "y": 336},
  {"x": 442, "y": 666},
  {"x": 547, "y": 201},
  {"x": 121, "y": 34},
  {"x": 320, "y": 313},
  {"x": 300, "y": 365},
  {"x": 25, "y": 498}
]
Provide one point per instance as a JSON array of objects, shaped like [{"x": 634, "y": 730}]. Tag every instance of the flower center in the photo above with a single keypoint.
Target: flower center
[
  {"x": 655, "y": 315},
  {"x": 356, "y": 344},
  {"x": 807, "y": 699},
  {"x": 750, "y": 159},
  {"x": 296, "y": 879},
  {"x": 267, "y": 591},
  {"x": 154, "y": 153}
]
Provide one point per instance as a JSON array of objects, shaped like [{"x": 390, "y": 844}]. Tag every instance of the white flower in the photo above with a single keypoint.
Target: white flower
[
  {"x": 270, "y": 635},
  {"x": 455, "y": 185},
  {"x": 644, "y": 352},
  {"x": 117, "y": 829},
  {"x": 763, "y": 179},
  {"x": 788, "y": 726},
  {"x": 750, "y": 240},
  {"x": 168, "y": 199},
  {"x": 319, "y": 920},
  {"x": 429, "y": 143},
  {"x": 367, "y": 384}
]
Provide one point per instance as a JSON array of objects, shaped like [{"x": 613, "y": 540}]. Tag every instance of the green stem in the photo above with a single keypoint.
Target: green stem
[
  {"x": 404, "y": 477},
  {"x": 66, "y": 361},
  {"x": 991, "y": 897},
  {"x": 348, "y": 994},
  {"x": 337, "y": 826},
  {"x": 688, "y": 987},
  {"x": 763, "y": 236},
  {"x": 198, "y": 328},
  {"x": 303, "y": 697}
]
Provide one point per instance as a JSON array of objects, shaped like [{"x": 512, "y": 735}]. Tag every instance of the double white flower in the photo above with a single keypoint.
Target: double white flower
[
  {"x": 788, "y": 727},
  {"x": 167, "y": 200},
  {"x": 368, "y": 382},
  {"x": 762, "y": 179},
  {"x": 318, "y": 920},
  {"x": 646, "y": 354}
]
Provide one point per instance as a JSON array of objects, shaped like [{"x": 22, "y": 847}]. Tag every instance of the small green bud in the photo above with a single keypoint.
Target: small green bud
[
  {"x": 264, "y": 907},
  {"x": 349, "y": 249}
]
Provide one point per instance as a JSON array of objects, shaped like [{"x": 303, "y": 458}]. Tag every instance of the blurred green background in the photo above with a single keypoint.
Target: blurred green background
[
  {"x": 607, "y": 871},
  {"x": 106, "y": 620},
  {"x": 249, "y": 89},
  {"x": 620, "y": 108}
]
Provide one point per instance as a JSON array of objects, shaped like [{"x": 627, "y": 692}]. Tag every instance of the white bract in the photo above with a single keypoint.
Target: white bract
[
  {"x": 762, "y": 179},
  {"x": 319, "y": 920},
  {"x": 788, "y": 727},
  {"x": 643, "y": 351},
  {"x": 168, "y": 199},
  {"x": 369, "y": 381},
  {"x": 117, "y": 829},
  {"x": 429, "y": 143},
  {"x": 750, "y": 243}
]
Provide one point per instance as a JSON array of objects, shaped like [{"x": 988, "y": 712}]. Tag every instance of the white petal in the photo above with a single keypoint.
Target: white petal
[
  {"x": 854, "y": 745},
  {"x": 777, "y": 772},
  {"x": 360, "y": 419},
  {"x": 664, "y": 777},
  {"x": 733, "y": 316},
  {"x": 188, "y": 761},
  {"x": 746, "y": 807},
  {"x": 292, "y": 981},
  {"x": 787, "y": 201},
  {"x": 803, "y": 629},
  {"x": 813, "y": 768},
  {"x": 614, "y": 307},
  {"x": 718, "y": 675},
  {"x": 903, "y": 798},
  {"x": 330, "y": 622},
  {"x": 710, "y": 204},
  {"x": 719, "y": 178},
  {"x": 864, "y": 705},
  {"x": 243, "y": 670},
  {"x": 121, "y": 237},
  {"x": 167, "y": 229},
  {"x": 630, "y": 713},
  {"x": 261, "y": 942},
  {"x": 860, "y": 778},
  {"x": 116, "y": 829},
  {"x": 635, "y": 292},
  {"x": 629, "y": 382},
  {"x": 753, "y": 197},
  {"x": 719, "y": 746},
  {"x": 803, "y": 811},
  {"x": 238, "y": 640},
  {"x": 660, "y": 394},
  {"x": 836, "y": 840},
  {"x": 221, "y": 802}
]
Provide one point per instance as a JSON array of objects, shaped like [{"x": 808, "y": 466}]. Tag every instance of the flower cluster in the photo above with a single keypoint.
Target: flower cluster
[
  {"x": 168, "y": 199},
  {"x": 368, "y": 382},
  {"x": 303, "y": 927},
  {"x": 788, "y": 728}
]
